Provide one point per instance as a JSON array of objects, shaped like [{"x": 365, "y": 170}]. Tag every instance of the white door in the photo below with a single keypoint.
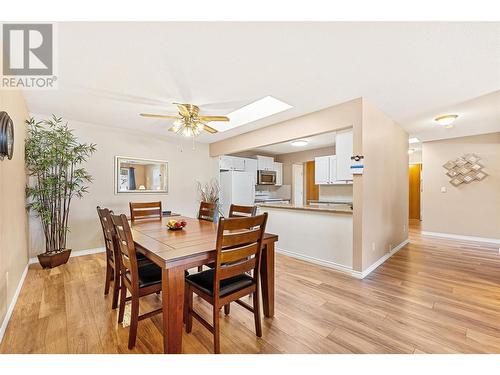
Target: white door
[{"x": 298, "y": 184}]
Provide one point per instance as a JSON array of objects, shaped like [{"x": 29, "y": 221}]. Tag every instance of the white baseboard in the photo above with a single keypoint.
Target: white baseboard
[
  {"x": 362, "y": 275},
  {"x": 321, "y": 262},
  {"x": 10, "y": 309},
  {"x": 77, "y": 253},
  {"x": 463, "y": 238}
]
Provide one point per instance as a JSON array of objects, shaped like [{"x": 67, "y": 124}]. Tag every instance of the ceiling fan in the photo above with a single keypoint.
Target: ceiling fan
[{"x": 189, "y": 122}]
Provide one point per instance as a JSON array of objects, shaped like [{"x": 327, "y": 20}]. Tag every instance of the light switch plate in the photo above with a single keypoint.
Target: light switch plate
[{"x": 443, "y": 189}]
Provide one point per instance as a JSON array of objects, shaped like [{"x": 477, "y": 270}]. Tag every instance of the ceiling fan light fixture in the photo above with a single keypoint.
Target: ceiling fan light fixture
[{"x": 446, "y": 120}]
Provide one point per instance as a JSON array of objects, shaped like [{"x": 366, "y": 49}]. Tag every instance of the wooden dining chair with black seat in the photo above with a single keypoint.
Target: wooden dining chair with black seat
[
  {"x": 242, "y": 211},
  {"x": 145, "y": 210},
  {"x": 238, "y": 246},
  {"x": 112, "y": 255},
  {"x": 140, "y": 281}
]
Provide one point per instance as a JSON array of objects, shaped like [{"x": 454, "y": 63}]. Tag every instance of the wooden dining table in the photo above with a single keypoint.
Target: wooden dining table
[{"x": 177, "y": 251}]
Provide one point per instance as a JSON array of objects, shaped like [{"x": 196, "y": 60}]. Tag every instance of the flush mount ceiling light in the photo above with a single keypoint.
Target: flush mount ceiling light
[
  {"x": 300, "y": 143},
  {"x": 413, "y": 140},
  {"x": 446, "y": 120}
]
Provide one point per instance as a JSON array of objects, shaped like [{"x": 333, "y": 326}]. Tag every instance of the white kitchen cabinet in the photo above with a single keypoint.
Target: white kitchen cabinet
[
  {"x": 325, "y": 171},
  {"x": 344, "y": 150},
  {"x": 332, "y": 169},
  {"x": 231, "y": 163},
  {"x": 322, "y": 170},
  {"x": 251, "y": 167},
  {"x": 265, "y": 163},
  {"x": 278, "y": 168}
]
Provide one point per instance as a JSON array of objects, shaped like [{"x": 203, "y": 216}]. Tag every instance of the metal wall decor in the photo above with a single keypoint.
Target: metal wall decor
[{"x": 465, "y": 169}]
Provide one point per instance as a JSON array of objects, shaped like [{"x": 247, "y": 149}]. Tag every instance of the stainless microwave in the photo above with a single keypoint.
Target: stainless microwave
[{"x": 266, "y": 177}]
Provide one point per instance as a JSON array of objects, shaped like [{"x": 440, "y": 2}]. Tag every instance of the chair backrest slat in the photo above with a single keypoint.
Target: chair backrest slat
[
  {"x": 242, "y": 252},
  {"x": 145, "y": 210},
  {"x": 242, "y": 211},
  {"x": 206, "y": 211},
  {"x": 238, "y": 268},
  {"x": 239, "y": 245},
  {"x": 126, "y": 244},
  {"x": 240, "y": 238}
]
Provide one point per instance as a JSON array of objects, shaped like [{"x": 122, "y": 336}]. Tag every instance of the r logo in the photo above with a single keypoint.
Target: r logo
[{"x": 27, "y": 50}]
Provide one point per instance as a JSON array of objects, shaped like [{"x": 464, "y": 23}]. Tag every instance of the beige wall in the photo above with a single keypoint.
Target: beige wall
[
  {"x": 416, "y": 157},
  {"x": 469, "y": 209},
  {"x": 382, "y": 191},
  {"x": 186, "y": 166},
  {"x": 13, "y": 223}
]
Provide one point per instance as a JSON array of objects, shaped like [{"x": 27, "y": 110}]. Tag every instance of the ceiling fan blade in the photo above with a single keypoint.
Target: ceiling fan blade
[
  {"x": 158, "y": 116},
  {"x": 213, "y": 118},
  {"x": 183, "y": 110},
  {"x": 209, "y": 129}
]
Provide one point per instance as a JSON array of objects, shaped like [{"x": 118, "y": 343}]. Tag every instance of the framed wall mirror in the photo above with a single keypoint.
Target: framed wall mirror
[{"x": 140, "y": 176}]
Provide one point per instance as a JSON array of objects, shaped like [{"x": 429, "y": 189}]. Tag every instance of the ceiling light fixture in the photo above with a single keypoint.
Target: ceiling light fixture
[
  {"x": 446, "y": 120},
  {"x": 413, "y": 140},
  {"x": 300, "y": 143}
]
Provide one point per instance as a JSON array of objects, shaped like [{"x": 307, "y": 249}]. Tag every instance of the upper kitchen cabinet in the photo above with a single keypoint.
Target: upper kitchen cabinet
[
  {"x": 251, "y": 167},
  {"x": 325, "y": 170},
  {"x": 278, "y": 167},
  {"x": 265, "y": 163},
  {"x": 231, "y": 163},
  {"x": 344, "y": 150}
]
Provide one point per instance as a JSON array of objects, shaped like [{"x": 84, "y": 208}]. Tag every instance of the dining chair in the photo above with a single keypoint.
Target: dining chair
[
  {"x": 238, "y": 247},
  {"x": 140, "y": 281},
  {"x": 112, "y": 256},
  {"x": 145, "y": 210},
  {"x": 207, "y": 211},
  {"x": 242, "y": 211}
]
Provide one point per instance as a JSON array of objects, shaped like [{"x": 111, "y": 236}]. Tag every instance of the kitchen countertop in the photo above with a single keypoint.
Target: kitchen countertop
[{"x": 343, "y": 208}]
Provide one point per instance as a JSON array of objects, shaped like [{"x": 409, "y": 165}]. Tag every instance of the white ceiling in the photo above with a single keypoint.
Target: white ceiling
[
  {"x": 314, "y": 142},
  {"x": 109, "y": 72}
]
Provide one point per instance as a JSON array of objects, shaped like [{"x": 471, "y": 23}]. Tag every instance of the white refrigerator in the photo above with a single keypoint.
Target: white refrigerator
[{"x": 236, "y": 188}]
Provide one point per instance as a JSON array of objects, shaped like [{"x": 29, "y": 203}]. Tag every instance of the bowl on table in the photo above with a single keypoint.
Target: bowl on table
[{"x": 176, "y": 225}]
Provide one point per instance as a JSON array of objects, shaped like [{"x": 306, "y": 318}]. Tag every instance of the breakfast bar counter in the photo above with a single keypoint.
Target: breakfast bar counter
[
  {"x": 340, "y": 208},
  {"x": 315, "y": 233}
]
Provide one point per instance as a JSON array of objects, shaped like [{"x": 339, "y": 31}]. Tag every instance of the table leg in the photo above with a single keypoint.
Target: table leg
[
  {"x": 267, "y": 279},
  {"x": 173, "y": 304}
]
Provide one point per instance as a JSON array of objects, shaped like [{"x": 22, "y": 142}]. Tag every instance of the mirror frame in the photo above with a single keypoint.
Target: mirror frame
[{"x": 117, "y": 172}]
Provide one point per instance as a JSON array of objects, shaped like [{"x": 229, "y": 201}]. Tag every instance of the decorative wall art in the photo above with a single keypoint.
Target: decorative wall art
[{"x": 465, "y": 169}]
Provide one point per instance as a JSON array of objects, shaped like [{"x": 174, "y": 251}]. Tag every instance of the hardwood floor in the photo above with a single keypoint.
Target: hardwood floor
[{"x": 433, "y": 296}]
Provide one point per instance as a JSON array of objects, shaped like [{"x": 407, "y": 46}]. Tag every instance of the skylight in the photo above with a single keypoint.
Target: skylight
[{"x": 257, "y": 110}]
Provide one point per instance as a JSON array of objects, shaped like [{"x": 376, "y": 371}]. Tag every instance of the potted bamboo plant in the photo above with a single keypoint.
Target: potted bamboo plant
[{"x": 53, "y": 159}]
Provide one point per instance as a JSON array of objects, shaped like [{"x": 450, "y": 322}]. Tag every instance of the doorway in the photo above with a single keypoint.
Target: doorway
[
  {"x": 414, "y": 177},
  {"x": 312, "y": 190},
  {"x": 298, "y": 184}
]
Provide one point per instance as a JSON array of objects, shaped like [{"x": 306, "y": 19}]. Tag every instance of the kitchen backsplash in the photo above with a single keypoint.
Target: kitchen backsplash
[
  {"x": 336, "y": 192},
  {"x": 283, "y": 191}
]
